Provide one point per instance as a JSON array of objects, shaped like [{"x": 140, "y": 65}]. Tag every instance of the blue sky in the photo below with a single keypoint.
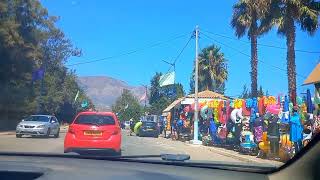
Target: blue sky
[{"x": 109, "y": 28}]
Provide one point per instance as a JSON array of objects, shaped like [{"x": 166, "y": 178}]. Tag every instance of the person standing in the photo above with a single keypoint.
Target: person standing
[
  {"x": 296, "y": 130},
  {"x": 274, "y": 135}
]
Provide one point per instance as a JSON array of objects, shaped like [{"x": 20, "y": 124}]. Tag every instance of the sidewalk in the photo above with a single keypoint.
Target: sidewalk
[{"x": 232, "y": 154}]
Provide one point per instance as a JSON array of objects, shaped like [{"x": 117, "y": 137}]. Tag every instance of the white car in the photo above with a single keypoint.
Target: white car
[{"x": 38, "y": 125}]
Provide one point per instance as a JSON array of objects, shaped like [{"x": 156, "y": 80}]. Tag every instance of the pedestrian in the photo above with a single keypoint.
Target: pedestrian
[
  {"x": 174, "y": 129},
  {"x": 179, "y": 127},
  {"x": 131, "y": 126},
  {"x": 273, "y": 135},
  {"x": 165, "y": 127},
  {"x": 213, "y": 131},
  {"x": 296, "y": 130}
]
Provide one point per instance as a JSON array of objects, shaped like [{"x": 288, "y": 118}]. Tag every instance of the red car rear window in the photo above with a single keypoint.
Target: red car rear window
[{"x": 95, "y": 120}]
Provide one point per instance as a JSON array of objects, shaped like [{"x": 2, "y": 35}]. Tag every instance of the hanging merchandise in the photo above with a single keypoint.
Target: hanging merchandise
[
  {"x": 231, "y": 103},
  {"x": 249, "y": 103},
  {"x": 187, "y": 109},
  {"x": 261, "y": 106},
  {"x": 228, "y": 110},
  {"x": 238, "y": 103},
  {"x": 236, "y": 115},
  {"x": 215, "y": 115},
  {"x": 271, "y": 100},
  {"x": 220, "y": 112},
  {"x": 290, "y": 106},
  {"x": 299, "y": 101},
  {"x": 204, "y": 112},
  {"x": 285, "y": 111},
  {"x": 273, "y": 109},
  {"x": 245, "y": 111},
  {"x": 310, "y": 106}
]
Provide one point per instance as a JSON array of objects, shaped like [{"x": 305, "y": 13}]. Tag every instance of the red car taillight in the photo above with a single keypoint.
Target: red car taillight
[
  {"x": 115, "y": 132},
  {"x": 71, "y": 130}
]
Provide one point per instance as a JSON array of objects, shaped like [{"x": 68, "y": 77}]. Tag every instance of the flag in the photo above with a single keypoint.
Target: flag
[
  {"x": 76, "y": 97},
  {"x": 38, "y": 74},
  {"x": 167, "y": 79}
]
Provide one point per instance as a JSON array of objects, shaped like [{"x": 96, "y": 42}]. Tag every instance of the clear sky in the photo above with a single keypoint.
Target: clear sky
[{"x": 109, "y": 28}]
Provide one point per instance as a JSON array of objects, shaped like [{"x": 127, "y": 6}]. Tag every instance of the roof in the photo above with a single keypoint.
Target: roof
[
  {"x": 42, "y": 115},
  {"x": 208, "y": 94},
  {"x": 314, "y": 76},
  {"x": 172, "y": 105},
  {"x": 95, "y": 113}
]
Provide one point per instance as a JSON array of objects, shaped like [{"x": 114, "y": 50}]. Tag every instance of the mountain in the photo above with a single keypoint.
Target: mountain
[{"x": 104, "y": 90}]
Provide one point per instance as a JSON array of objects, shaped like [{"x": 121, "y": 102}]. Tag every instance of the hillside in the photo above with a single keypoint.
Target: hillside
[{"x": 105, "y": 90}]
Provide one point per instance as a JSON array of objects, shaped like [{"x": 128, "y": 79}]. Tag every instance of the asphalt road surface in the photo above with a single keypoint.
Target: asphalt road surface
[{"x": 131, "y": 145}]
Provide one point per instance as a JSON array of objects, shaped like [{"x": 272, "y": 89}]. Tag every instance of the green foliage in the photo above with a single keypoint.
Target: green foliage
[
  {"x": 260, "y": 92},
  {"x": 29, "y": 39},
  {"x": 128, "y": 107},
  {"x": 247, "y": 94},
  {"x": 213, "y": 70},
  {"x": 161, "y": 97}
]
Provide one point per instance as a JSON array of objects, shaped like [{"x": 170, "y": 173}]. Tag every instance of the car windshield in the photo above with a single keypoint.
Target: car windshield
[
  {"x": 234, "y": 81},
  {"x": 38, "y": 118},
  {"x": 95, "y": 120}
]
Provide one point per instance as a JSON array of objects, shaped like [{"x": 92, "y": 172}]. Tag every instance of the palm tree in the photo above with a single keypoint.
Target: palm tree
[
  {"x": 286, "y": 15},
  {"x": 212, "y": 70},
  {"x": 249, "y": 18}
]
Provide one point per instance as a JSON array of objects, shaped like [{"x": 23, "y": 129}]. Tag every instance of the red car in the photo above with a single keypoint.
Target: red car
[{"x": 97, "y": 133}]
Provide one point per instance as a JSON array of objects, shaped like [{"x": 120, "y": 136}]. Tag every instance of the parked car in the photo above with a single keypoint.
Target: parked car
[
  {"x": 38, "y": 125},
  {"x": 96, "y": 133},
  {"x": 149, "y": 128}
]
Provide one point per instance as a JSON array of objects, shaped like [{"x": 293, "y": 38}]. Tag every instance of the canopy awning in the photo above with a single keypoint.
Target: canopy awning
[
  {"x": 314, "y": 76},
  {"x": 172, "y": 105},
  {"x": 209, "y": 94}
]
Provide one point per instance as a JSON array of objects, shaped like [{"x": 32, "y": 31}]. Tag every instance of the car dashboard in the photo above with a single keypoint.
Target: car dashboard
[{"x": 19, "y": 167}]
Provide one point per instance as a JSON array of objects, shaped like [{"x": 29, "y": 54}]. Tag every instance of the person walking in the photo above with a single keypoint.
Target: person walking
[
  {"x": 296, "y": 130},
  {"x": 131, "y": 126}
]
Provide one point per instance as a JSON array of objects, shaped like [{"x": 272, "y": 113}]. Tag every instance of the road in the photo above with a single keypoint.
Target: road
[{"x": 132, "y": 145}]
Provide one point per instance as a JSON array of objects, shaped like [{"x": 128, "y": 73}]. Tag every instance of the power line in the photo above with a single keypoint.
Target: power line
[
  {"x": 181, "y": 51},
  {"x": 265, "y": 45},
  {"x": 130, "y": 52},
  {"x": 276, "y": 67}
]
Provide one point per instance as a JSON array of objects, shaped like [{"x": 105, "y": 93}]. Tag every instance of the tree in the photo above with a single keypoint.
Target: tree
[
  {"x": 128, "y": 107},
  {"x": 29, "y": 40},
  {"x": 161, "y": 97},
  {"x": 260, "y": 92},
  {"x": 249, "y": 18},
  {"x": 286, "y": 14},
  {"x": 245, "y": 93},
  {"x": 155, "y": 88},
  {"x": 213, "y": 70}
]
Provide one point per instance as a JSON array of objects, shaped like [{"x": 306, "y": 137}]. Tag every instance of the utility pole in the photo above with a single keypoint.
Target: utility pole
[{"x": 196, "y": 103}]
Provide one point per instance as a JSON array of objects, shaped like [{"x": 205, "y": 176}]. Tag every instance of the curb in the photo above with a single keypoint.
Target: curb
[
  {"x": 8, "y": 133},
  {"x": 224, "y": 152}
]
